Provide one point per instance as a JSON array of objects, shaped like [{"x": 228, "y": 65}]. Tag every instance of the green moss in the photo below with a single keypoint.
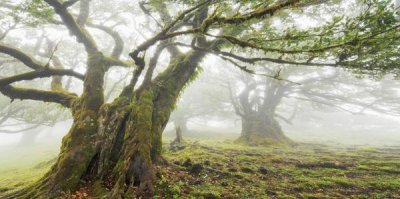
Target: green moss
[
  {"x": 259, "y": 140},
  {"x": 374, "y": 178},
  {"x": 76, "y": 152},
  {"x": 98, "y": 189},
  {"x": 283, "y": 179}
]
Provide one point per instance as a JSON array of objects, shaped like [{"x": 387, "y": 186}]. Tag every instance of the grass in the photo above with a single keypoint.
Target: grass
[
  {"x": 21, "y": 166},
  {"x": 220, "y": 169},
  {"x": 14, "y": 179},
  {"x": 301, "y": 171}
]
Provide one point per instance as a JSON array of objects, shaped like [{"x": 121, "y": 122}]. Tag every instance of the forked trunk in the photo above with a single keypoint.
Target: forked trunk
[{"x": 116, "y": 147}]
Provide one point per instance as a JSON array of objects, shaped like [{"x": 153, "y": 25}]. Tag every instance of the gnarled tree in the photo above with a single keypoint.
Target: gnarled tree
[
  {"x": 117, "y": 144},
  {"x": 259, "y": 98}
]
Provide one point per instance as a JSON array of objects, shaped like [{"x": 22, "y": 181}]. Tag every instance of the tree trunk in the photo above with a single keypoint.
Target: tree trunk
[
  {"x": 181, "y": 122},
  {"x": 178, "y": 139},
  {"x": 117, "y": 146},
  {"x": 260, "y": 129}
]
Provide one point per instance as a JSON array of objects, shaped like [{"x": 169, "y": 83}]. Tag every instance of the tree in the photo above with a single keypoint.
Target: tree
[
  {"x": 256, "y": 105},
  {"x": 260, "y": 97},
  {"x": 116, "y": 144},
  {"x": 28, "y": 116}
]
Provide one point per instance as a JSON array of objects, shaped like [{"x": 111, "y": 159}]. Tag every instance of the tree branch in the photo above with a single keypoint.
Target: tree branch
[
  {"x": 256, "y": 14},
  {"x": 162, "y": 35},
  {"x": 119, "y": 43},
  {"x": 82, "y": 35},
  {"x": 64, "y": 99},
  {"x": 153, "y": 64},
  {"x": 5, "y": 33},
  {"x": 7, "y": 131},
  {"x": 69, "y": 3},
  {"x": 255, "y": 59},
  {"x": 83, "y": 13},
  {"x": 244, "y": 44},
  {"x": 24, "y": 58},
  {"x": 47, "y": 72},
  {"x": 117, "y": 62}
]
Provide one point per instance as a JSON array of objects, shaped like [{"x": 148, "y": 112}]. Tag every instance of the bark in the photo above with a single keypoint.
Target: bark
[
  {"x": 261, "y": 130},
  {"x": 116, "y": 145}
]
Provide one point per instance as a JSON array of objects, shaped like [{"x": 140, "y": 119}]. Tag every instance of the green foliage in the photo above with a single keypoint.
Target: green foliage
[
  {"x": 192, "y": 78},
  {"x": 377, "y": 55},
  {"x": 365, "y": 41},
  {"x": 168, "y": 190}
]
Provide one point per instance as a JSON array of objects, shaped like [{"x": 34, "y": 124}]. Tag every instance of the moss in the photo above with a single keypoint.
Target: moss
[
  {"x": 76, "y": 152},
  {"x": 191, "y": 79},
  {"x": 93, "y": 93},
  {"x": 283, "y": 179},
  {"x": 259, "y": 140},
  {"x": 98, "y": 189},
  {"x": 143, "y": 112}
]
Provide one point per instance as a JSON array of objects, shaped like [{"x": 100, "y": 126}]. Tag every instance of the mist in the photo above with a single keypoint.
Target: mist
[{"x": 190, "y": 99}]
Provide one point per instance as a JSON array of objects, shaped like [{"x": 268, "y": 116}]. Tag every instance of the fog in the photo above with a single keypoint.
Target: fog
[
  {"x": 315, "y": 74},
  {"x": 215, "y": 119},
  {"x": 347, "y": 117},
  {"x": 209, "y": 113}
]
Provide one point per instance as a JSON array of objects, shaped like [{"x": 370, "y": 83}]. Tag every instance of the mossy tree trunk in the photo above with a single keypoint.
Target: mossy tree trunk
[
  {"x": 113, "y": 147},
  {"x": 117, "y": 144},
  {"x": 141, "y": 123},
  {"x": 78, "y": 146}
]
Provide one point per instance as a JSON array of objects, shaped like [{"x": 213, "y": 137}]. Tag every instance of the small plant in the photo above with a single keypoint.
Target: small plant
[{"x": 168, "y": 190}]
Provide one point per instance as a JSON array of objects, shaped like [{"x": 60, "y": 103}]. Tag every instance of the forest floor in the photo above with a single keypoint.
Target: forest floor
[{"x": 221, "y": 169}]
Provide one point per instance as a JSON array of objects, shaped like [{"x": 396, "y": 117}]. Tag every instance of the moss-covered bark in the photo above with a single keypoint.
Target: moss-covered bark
[
  {"x": 78, "y": 146},
  {"x": 143, "y": 121},
  {"x": 116, "y": 145}
]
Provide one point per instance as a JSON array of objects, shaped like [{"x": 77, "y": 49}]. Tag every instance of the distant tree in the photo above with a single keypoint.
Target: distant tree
[
  {"x": 260, "y": 96},
  {"x": 117, "y": 143},
  {"x": 26, "y": 117}
]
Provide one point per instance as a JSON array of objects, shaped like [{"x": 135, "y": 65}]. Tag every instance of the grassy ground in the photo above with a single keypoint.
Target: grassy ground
[
  {"x": 221, "y": 169},
  {"x": 22, "y": 165},
  {"x": 212, "y": 169}
]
